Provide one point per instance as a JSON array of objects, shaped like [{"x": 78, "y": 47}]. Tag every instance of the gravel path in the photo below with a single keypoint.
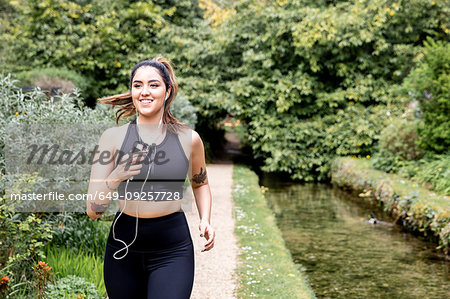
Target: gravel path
[{"x": 215, "y": 269}]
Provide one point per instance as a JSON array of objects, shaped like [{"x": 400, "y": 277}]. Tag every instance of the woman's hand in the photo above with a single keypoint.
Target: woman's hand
[
  {"x": 126, "y": 168},
  {"x": 207, "y": 231}
]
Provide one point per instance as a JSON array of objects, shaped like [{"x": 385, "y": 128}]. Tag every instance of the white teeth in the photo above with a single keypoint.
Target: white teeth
[{"x": 146, "y": 101}]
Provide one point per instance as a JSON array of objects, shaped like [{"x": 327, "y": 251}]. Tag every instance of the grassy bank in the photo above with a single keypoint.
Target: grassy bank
[
  {"x": 413, "y": 206},
  {"x": 265, "y": 266}
]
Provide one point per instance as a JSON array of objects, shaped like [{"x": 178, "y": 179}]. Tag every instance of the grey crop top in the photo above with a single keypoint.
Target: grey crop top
[{"x": 166, "y": 179}]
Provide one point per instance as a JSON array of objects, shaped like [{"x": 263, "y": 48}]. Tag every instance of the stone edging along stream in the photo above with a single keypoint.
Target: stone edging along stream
[{"x": 415, "y": 207}]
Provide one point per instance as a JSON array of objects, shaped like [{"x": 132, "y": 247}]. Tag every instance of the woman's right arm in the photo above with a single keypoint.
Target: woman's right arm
[
  {"x": 105, "y": 178},
  {"x": 98, "y": 191}
]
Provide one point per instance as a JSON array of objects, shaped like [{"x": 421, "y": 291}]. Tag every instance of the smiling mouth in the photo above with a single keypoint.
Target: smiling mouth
[{"x": 146, "y": 101}]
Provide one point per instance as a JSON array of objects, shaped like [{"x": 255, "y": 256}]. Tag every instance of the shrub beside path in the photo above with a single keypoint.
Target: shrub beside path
[{"x": 215, "y": 269}]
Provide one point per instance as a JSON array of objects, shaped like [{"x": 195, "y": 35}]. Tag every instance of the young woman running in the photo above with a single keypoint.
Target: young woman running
[{"x": 143, "y": 164}]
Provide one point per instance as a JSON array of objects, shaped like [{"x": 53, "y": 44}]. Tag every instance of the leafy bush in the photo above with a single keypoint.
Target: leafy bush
[
  {"x": 183, "y": 110},
  {"x": 429, "y": 83},
  {"x": 47, "y": 78},
  {"x": 435, "y": 173},
  {"x": 65, "y": 261},
  {"x": 398, "y": 145},
  {"x": 23, "y": 237},
  {"x": 432, "y": 171},
  {"x": 76, "y": 232},
  {"x": 398, "y": 153},
  {"x": 72, "y": 287}
]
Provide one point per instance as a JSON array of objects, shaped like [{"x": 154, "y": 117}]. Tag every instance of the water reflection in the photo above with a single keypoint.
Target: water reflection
[{"x": 327, "y": 232}]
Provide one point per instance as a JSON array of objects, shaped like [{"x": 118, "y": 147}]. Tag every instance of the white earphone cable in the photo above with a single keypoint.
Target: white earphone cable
[{"x": 142, "y": 188}]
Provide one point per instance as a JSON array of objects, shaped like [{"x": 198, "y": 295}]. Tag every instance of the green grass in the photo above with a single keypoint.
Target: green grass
[
  {"x": 66, "y": 262},
  {"x": 265, "y": 267}
]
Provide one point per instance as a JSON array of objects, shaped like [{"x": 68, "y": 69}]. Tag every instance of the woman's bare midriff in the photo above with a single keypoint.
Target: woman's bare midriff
[{"x": 150, "y": 209}]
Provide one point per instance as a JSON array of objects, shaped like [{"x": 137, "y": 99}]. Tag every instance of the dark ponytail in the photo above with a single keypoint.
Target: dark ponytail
[{"x": 125, "y": 101}]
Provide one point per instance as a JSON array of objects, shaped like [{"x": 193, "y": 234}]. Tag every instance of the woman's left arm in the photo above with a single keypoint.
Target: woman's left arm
[{"x": 202, "y": 192}]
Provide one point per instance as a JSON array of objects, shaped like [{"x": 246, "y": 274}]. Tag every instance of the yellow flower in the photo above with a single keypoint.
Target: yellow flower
[
  {"x": 264, "y": 189},
  {"x": 17, "y": 113},
  {"x": 414, "y": 185},
  {"x": 368, "y": 156},
  {"x": 351, "y": 103},
  {"x": 420, "y": 55},
  {"x": 392, "y": 13},
  {"x": 440, "y": 169},
  {"x": 433, "y": 2}
]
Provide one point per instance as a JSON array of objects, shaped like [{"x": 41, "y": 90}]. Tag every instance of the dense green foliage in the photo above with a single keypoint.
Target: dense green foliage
[
  {"x": 432, "y": 171},
  {"x": 76, "y": 232},
  {"x": 313, "y": 81},
  {"x": 429, "y": 83},
  {"x": 72, "y": 287},
  {"x": 102, "y": 40},
  {"x": 397, "y": 143},
  {"x": 416, "y": 146},
  {"x": 23, "y": 237}
]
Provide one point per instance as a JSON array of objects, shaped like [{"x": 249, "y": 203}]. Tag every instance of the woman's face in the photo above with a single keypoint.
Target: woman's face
[{"x": 148, "y": 91}]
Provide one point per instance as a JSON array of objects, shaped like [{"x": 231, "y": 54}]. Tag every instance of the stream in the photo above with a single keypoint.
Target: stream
[{"x": 344, "y": 256}]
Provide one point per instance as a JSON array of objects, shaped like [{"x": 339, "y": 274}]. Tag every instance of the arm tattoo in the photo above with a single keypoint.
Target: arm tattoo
[
  {"x": 201, "y": 177},
  {"x": 99, "y": 209}
]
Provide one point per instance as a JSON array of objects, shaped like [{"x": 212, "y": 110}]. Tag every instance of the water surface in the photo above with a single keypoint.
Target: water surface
[{"x": 327, "y": 232}]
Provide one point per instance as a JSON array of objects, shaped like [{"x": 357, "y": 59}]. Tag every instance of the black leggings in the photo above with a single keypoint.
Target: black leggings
[{"x": 159, "y": 264}]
